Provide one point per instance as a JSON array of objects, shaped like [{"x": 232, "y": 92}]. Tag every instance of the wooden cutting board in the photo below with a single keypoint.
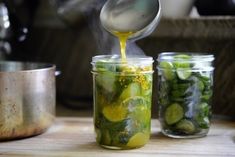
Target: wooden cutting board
[{"x": 72, "y": 137}]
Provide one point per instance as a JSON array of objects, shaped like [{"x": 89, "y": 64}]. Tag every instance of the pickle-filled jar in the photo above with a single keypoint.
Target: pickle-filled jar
[
  {"x": 185, "y": 82},
  {"x": 122, "y": 91}
]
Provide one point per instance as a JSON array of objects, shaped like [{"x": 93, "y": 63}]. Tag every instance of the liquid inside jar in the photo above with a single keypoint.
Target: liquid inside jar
[{"x": 122, "y": 101}]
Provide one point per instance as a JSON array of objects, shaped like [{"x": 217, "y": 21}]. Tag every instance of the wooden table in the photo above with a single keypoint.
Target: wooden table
[{"x": 72, "y": 137}]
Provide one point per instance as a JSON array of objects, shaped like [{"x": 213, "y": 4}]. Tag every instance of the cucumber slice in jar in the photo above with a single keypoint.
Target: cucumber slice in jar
[
  {"x": 106, "y": 80},
  {"x": 183, "y": 73},
  {"x": 206, "y": 95},
  {"x": 174, "y": 113},
  {"x": 203, "y": 115},
  {"x": 168, "y": 70},
  {"x": 101, "y": 66},
  {"x": 182, "y": 66},
  {"x": 105, "y": 137},
  {"x": 201, "y": 85},
  {"x": 132, "y": 90},
  {"x": 138, "y": 140},
  {"x": 115, "y": 112},
  {"x": 180, "y": 86},
  {"x": 104, "y": 65},
  {"x": 138, "y": 109},
  {"x": 98, "y": 135},
  {"x": 131, "y": 107},
  {"x": 183, "y": 57},
  {"x": 163, "y": 93},
  {"x": 186, "y": 126},
  {"x": 177, "y": 93},
  {"x": 146, "y": 85}
]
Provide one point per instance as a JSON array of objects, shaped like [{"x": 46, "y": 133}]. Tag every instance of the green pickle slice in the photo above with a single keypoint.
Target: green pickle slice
[
  {"x": 182, "y": 56},
  {"x": 102, "y": 66},
  {"x": 133, "y": 89},
  {"x": 183, "y": 73},
  {"x": 202, "y": 117},
  {"x": 132, "y": 107},
  {"x": 168, "y": 70},
  {"x": 186, "y": 126},
  {"x": 138, "y": 109},
  {"x": 129, "y": 117},
  {"x": 115, "y": 113},
  {"x": 173, "y": 114},
  {"x": 182, "y": 66},
  {"x": 106, "y": 81},
  {"x": 138, "y": 140},
  {"x": 201, "y": 85},
  {"x": 105, "y": 137},
  {"x": 206, "y": 95}
]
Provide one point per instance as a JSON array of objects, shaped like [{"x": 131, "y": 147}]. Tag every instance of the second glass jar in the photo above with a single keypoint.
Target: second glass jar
[{"x": 185, "y": 84}]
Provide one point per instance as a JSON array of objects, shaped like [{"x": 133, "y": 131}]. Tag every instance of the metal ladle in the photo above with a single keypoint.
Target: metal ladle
[{"x": 140, "y": 17}]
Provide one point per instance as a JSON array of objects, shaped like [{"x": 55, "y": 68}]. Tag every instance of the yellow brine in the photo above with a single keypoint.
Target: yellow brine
[{"x": 123, "y": 37}]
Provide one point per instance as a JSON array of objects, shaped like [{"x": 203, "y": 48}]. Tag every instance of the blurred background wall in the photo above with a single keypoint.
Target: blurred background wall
[{"x": 55, "y": 38}]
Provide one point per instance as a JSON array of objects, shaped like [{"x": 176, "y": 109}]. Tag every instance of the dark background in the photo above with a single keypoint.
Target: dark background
[{"x": 52, "y": 39}]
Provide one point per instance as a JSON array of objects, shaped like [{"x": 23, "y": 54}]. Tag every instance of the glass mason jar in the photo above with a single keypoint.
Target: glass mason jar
[
  {"x": 122, "y": 100},
  {"x": 184, "y": 97}
]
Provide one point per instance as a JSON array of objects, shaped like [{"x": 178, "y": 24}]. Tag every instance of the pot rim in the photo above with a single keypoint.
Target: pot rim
[{"x": 24, "y": 67}]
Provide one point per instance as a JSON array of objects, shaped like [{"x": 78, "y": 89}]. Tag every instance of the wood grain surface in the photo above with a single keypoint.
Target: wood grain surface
[{"x": 72, "y": 137}]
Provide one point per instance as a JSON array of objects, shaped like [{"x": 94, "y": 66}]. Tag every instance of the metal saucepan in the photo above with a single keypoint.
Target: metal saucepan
[{"x": 27, "y": 99}]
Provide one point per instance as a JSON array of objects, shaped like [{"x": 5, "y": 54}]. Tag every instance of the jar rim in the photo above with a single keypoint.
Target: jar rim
[
  {"x": 116, "y": 59},
  {"x": 194, "y": 56}
]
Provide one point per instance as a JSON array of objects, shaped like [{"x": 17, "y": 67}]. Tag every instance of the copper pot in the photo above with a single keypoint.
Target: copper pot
[{"x": 27, "y": 99}]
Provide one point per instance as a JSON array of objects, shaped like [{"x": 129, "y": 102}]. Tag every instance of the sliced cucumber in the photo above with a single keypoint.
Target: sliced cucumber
[
  {"x": 132, "y": 102},
  {"x": 137, "y": 109},
  {"x": 164, "y": 88},
  {"x": 204, "y": 122},
  {"x": 182, "y": 66},
  {"x": 106, "y": 80},
  {"x": 183, "y": 73},
  {"x": 132, "y": 107},
  {"x": 132, "y": 90},
  {"x": 105, "y": 137},
  {"x": 186, "y": 126},
  {"x": 128, "y": 69},
  {"x": 201, "y": 85},
  {"x": 183, "y": 86},
  {"x": 101, "y": 66},
  {"x": 177, "y": 93},
  {"x": 98, "y": 135},
  {"x": 206, "y": 96},
  {"x": 203, "y": 115},
  {"x": 182, "y": 57},
  {"x": 138, "y": 140},
  {"x": 104, "y": 65},
  {"x": 204, "y": 108},
  {"x": 168, "y": 70},
  {"x": 115, "y": 113},
  {"x": 147, "y": 89},
  {"x": 174, "y": 113}
]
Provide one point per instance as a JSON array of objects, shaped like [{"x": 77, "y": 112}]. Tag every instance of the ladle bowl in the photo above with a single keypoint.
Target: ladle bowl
[{"x": 140, "y": 17}]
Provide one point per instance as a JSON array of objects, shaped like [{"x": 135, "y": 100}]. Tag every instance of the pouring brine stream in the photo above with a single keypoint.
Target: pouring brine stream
[{"x": 123, "y": 37}]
